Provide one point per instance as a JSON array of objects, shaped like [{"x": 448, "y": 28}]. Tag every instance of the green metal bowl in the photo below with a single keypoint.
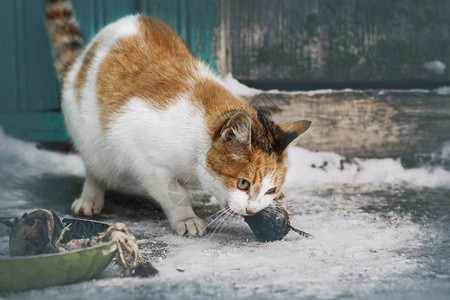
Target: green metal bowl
[{"x": 39, "y": 271}]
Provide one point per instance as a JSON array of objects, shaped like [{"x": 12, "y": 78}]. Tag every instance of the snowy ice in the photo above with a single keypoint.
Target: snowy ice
[
  {"x": 240, "y": 89},
  {"x": 330, "y": 168},
  {"x": 436, "y": 67},
  {"x": 443, "y": 90}
]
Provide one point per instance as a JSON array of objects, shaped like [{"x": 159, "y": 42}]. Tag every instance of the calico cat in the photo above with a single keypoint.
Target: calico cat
[{"x": 139, "y": 106}]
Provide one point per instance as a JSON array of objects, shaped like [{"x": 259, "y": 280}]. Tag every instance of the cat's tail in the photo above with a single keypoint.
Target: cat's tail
[{"x": 65, "y": 35}]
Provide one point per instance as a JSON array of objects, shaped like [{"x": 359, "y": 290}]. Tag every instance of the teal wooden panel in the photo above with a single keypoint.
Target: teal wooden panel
[
  {"x": 9, "y": 91},
  {"x": 19, "y": 53},
  {"x": 169, "y": 11},
  {"x": 87, "y": 16},
  {"x": 116, "y": 9},
  {"x": 203, "y": 24},
  {"x": 35, "y": 126},
  {"x": 182, "y": 20},
  {"x": 94, "y": 15},
  {"x": 194, "y": 20},
  {"x": 41, "y": 87},
  {"x": 27, "y": 80}
]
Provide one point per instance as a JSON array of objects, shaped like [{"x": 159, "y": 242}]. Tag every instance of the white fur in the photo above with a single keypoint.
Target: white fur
[
  {"x": 240, "y": 201},
  {"x": 263, "y": 200}
]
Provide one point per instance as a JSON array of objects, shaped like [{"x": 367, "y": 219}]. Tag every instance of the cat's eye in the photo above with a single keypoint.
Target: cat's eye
[
  {"x": 271, "y": 191},
  {"x": 243, "y": 184}
]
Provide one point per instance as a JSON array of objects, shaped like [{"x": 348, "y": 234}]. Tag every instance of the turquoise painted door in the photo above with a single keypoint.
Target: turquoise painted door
[{"x": 29, "y": 93}]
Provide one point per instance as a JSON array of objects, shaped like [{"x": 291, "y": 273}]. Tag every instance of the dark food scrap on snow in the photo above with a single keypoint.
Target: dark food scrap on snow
[{"x": 272, "y": 223}]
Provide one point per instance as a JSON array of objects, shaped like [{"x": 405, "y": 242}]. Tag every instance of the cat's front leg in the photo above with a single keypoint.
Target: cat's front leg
[
  {"x": 176, "y": 203},
  {"x": 92, "y": 198}
]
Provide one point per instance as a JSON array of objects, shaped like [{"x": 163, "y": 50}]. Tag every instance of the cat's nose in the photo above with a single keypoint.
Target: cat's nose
[{"x": 250, "y": 211}]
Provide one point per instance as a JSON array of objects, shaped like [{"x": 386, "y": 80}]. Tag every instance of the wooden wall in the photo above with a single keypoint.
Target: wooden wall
[{"x": 338, "y": 43}]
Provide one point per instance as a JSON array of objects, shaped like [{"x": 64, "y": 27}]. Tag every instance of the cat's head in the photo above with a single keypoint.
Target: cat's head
[{"x": 248, "y": 158}]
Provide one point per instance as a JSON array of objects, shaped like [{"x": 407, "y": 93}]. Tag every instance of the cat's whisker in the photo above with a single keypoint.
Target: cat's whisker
[
  {"x": 215, "y": 214},
  {"x": 223, "y": 220},
  {"x": 267, "y": 209},
  {"x": 264, "y": 212},
  {"x": 216, "y": 226},
  {"x": 230, "y": 217},
  {"x": 215, "y": 223},
  {"x": 220, "y": 214}
]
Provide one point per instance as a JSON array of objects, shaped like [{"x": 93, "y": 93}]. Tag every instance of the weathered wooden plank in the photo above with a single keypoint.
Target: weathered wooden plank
[
  {"x": 87, "y": 14},
  {"x": 366, "y": 124},
  {"x": 94, "y": 15},
  {"x": 116, "y": 9},
  {"x": 204, "y": 23},
  {"x": 35, "y": 126},
  {"x": 329, "y": 43},
  {"x": 9, "y": 90},
  {"x": 26, "y": 79},
  {"x": 20, "y": 65},
  {"x": 167, "y": 10},
  {"x": 40, "y": 91},
  {"x": 197, "y": 22}
]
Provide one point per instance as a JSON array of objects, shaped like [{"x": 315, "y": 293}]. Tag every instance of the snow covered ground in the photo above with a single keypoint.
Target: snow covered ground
[{"x": 380, "y": 232}]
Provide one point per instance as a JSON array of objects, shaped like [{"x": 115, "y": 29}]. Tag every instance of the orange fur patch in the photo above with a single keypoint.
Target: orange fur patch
[{"x": 154, "y": 64}]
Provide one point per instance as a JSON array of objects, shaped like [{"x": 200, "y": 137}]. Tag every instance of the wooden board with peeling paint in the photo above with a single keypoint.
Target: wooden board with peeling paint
[{"x": 367, "y": 123}]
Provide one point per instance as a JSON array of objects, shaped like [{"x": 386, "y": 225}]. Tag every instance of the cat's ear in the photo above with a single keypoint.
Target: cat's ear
[
  {"x": 237, "y": 129},
  {"x": 296, "y": 127}
]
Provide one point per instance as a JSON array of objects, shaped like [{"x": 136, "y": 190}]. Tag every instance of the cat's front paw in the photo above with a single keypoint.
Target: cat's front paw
[
  {"x": 190, "y": 227},
  {"x": 86, "y": 207}
]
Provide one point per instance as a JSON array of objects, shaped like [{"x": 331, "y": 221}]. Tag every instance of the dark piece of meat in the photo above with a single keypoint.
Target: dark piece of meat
[{"x": 271, "y": 224}]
